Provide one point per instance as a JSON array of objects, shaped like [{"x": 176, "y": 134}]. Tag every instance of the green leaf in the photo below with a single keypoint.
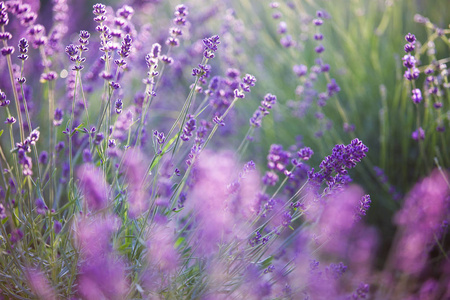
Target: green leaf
[
  {"x": 179, "y": 241},
  {"x": 267, "y": 262},
  {"x": 164, "y": 151}
]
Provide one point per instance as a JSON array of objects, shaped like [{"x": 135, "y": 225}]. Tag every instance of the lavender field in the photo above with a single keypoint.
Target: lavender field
[{"x": 230, "y": 149}]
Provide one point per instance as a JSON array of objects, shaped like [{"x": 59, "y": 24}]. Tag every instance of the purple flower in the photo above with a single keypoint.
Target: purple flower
[
  {"x": 325, "y": 68},
  {"x": 3, "y": 100},
  {"x": 364, "y": 205},
  {"x": 101, "y": 274},
  {"x": 125, "y": 46},
  {"x": 336, "y": 222},
  {"x": 173, "y": 42},
  {"x": 409, "y": 61},
  {"x": 416, "y": 96},
  {"x": 238, "y": 94},
  {"x": 99, "y": 137},
  {"x": 334, "y": 167},
  {"x": 282, "y": 28},
  {"x": 210, "y": 46},
  {"x": 247, "y": 82},
  {"x": 318, "y": 36},
  {"x": 217, "y": 213},
  {"x": 317, "y": 22},
  {"x": 34, "y": 137},
  {"x": 134, "y": 165},
  {"x": 72, "y": 51},
  {"x": 332, "y": 87},
  {"x": 7, "y": 50},
  {"x": 319, "y": 49},
  {"x": 94, "y": 186},
  {"x": 39, "y": 284},
  {"x": 278, "y": 159},
  {"x": 287, "y": 41},
  {"x": 23, "y": 49},
  {"x": 286, "y": 219},
  {"x": 16, "y": 235},
  {"x": 305, "y": 153},
  {"x": 161, "y": 252},
  {"x": 410, "y": 38},
  {"x": 166, "y": 59},
  {"x": 409, "y": 48},
  {"x": 181, "y": 10},
  {"x": 263, "y": 110},
  {"x": 300, "y": 70},
  {"x": 424, "y": 209},
  {"x": 419, "y": 134},
  {"x": 125, "y": 12},
  {"x": 160, "y": 137},
  {"x": 348, "y": 127},
  {"x": 4, "y": 19},
  {"x": 50, "y": 76},
  {"x": 41, "y": 208},
  {"x": 156, "y": 50},
  {"x": 411, "y": 74},
  {"x": 119, "y": 106},
  {"x": 189, "y": 128},
  {"x": 57, "y": 226},
  {"x": 270, "y": 178},
  {"x": 99, "y": 9},
  {"x": 335, "y": 270},
  {"x": 58, "y": 117},
  {"x": 2, "y": 212},
  {"x": 60, "y": 146},
  {"x": 87, "y": 157},
  {"x": 114, "y": 85},
  {"x": 10, "y": 120}
]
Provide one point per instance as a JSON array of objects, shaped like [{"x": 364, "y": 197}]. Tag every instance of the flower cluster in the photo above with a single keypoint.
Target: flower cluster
[
  {"x": 334, "y": 168},
  {"x": 263, "y": 110}
]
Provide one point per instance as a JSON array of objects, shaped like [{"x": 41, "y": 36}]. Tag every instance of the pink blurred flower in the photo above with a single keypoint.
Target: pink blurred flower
[
  {"x": 220, "y": 214},
  {"x": 94, "y": 186},
  {"x": 135, "y": 165},
  {"x": 39, "y": 284},
  {"x": 101, "y": 271},
  {"x": 161, "y": 249},
  {"x": 337, "y": 220},
  {"x": 419, "y": 220},
  {"x": 92, "y": 235}
]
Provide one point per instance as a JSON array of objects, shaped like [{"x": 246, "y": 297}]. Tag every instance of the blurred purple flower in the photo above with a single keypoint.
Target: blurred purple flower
[
  {"x": 419, "y": 134},
  {"x": 101, "y": 272},
  {"x": 41, "y": 208},
  {"x": 39, "y": 284},
  {"x": 162, "y": 254},
  {"x": 419, "y": 219},
  {"x": 94, "y": 186},
  {"x": 2, "y": 212},
  {"x": 134, "y": 167}
]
